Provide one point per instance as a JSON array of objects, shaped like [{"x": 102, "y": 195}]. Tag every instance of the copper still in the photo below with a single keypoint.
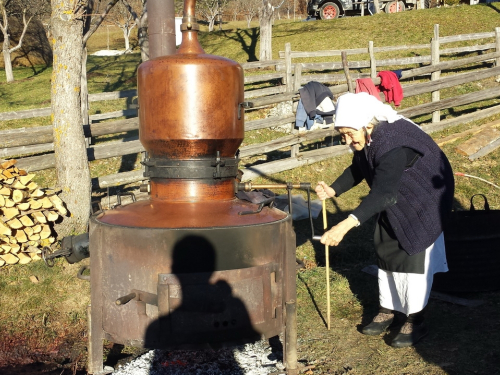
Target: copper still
[{"x": 185, "y": 268}]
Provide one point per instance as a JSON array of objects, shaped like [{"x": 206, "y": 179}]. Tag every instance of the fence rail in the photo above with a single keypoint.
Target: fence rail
[{"x": 289, "y": 76}]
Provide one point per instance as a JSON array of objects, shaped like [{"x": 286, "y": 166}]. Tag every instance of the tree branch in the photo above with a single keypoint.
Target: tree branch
[
  {"x": 23, "y": 33},
  {"x": 98, "y": 21}
]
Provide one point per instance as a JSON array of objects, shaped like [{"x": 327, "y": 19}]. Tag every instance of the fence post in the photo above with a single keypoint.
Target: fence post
[
  {"x": 288, "y": 67},
  {"x": 497, "y": 47},
  {"x": 373, "y": 62},
  {"x": 297, "y": 77},
  {"x": 436, "y": 115},
  {"x": 345, "y": 65}
]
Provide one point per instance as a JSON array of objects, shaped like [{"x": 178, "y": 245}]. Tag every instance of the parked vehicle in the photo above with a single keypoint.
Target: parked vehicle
[{"x": 330, "y": 9}]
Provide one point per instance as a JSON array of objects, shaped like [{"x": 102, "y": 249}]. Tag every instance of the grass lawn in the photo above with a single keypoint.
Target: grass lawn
[{"x": 46, "y": 320}]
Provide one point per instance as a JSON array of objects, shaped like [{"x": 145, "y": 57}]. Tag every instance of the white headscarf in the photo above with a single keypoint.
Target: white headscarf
[{"x": 357, "y": 110}]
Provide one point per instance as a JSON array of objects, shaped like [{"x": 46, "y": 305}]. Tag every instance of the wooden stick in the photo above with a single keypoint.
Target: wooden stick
[{"x": 327, "y": 259}]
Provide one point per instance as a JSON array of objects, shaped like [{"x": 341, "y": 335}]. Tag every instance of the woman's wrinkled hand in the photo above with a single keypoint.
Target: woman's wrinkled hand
[
  {"x": 324, "y": 191},
  {"x": 337, "y": 233}
]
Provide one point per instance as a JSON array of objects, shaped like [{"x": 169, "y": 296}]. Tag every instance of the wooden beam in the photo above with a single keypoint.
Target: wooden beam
[{"x": 480, "y": 140}]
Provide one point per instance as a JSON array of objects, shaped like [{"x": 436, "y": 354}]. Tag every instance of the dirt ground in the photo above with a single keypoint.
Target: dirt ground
[{"x": 462, "y": 340}]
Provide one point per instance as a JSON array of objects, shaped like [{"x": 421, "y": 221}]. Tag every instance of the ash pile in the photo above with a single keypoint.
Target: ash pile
[{"x": 259, "y": 358}]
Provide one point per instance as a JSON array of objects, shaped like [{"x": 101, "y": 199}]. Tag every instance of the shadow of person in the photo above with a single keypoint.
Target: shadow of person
[{"x": 197, "y": 311}]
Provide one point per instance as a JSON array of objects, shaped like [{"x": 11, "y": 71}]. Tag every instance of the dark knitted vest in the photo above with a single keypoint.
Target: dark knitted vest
[{"x": 425, "y": 194}]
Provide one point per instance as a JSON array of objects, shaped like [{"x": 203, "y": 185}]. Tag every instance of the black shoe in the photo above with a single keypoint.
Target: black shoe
[
  {"x": 409, "y": 335},
  {"x": 379, "y": 324}
]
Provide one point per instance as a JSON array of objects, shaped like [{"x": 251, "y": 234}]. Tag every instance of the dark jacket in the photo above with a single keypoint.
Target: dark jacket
[
  {"x": 425, "y": 194},
  {"x": 312, "y": 94}
]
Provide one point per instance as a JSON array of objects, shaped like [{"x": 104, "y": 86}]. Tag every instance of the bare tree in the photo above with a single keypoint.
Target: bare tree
[
  {"x": 234, "y": 7},
  {"x": 72, "y": 25},
  {"x": 24, "y": 10},
  {"x": 125, "y": 20},
  {"x": 287, "y": 7},
  {"x": 210, "y": 9},
  {"x": 140, "y": 16},
  {"x": 250, "y": 9}
]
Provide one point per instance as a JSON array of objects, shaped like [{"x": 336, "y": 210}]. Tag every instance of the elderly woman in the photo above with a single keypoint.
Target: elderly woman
[{"x": 411, "y": 190}]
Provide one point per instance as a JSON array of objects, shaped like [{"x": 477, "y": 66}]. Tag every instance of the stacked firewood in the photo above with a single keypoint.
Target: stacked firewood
[{"x": 27, "y": 215}]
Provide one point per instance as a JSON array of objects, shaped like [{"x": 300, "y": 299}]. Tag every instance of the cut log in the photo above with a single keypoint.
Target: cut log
[
  {"x": 23, "y": 258},
  {"x": 26, "y": 220},
  {"x": 8, "y": 163},
  {"x": 23, "y": 206},
  {"x": 18, "y": 185},
  {"x": 58, "y": 204},
  {"x": 22, "y": 172},
  {"x": 9, "y": 181},
  {"x": 35, "y": 204},
  {"x": 32, "y": 244},
  {"x": 2, "y": 201},
  {"x": 15, "y": 248},
  {"x": 46, "y": 203},
  {"x": 26, "y": 179},
  {"x": 50, "y": 192},
  {"x": 39, "y": 217},
  {"x": 5, "y": 248},
  {"x": 37, "y": 193},
  {"x": 10, "y": 258},
  {"x": 478, "y": 141},
  {"x": 5, "y": 229},
  {"x": 14, "y": 224},
  {"x": 2, "y": 262},
  {"x": 7, "y": 174},
  {"x": 34, "y": 237},
  {"x": 45, "y": 232},
  {"x": 51, "y": 215},
  {"x": 35, "y": 256},
  {"x": 21, "y": 236},
  {"x": 9, "y": 202},
  {"x": 10, "y": 213},
  {"x": 28, "y": 231},
  {"x": 19, "y": 195},
  {"x": 32, "y": 186},
  {"x": 5, "y": 191}
]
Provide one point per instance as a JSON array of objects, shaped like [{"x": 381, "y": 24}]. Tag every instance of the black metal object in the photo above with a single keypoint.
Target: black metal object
[
  {"x": 165, "y": 288},
  {"x": 472, "y": 250},
  {"x": 192, "y": 169},
  {"x": 73, "y": 248}
]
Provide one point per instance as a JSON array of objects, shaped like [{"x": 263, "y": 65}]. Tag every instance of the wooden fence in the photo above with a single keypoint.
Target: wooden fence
[{"x": 288, "y": 77}]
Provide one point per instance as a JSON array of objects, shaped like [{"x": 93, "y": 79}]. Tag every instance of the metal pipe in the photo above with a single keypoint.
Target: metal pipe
[
  {"x": 248, "y": 186},
  {"x": 161, "y": 29}
]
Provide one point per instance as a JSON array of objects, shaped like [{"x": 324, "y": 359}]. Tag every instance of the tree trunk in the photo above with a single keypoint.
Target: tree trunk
[
  {"x": 376, "y": 5},
  {"x": 126, "y": 35},
  {"x": 211, "y": 24},
  {"x": 249, "y": 19},
  {"x": 266, "y": 30},
  {"x": 9, "y": 74},
  {"x": 72, "y": 167},
  {"x": 142, "y": 36}
]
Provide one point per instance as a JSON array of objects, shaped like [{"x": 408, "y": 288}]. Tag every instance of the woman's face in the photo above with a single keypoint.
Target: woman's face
[{"x": 354, "y": 138}]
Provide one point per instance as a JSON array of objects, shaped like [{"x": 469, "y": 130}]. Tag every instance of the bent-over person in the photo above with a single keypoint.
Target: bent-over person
[{"x": 411, "y": 190}]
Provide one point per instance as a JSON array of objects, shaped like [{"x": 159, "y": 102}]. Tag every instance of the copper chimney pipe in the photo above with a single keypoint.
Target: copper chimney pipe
[{"x": 161, "y": 27}]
